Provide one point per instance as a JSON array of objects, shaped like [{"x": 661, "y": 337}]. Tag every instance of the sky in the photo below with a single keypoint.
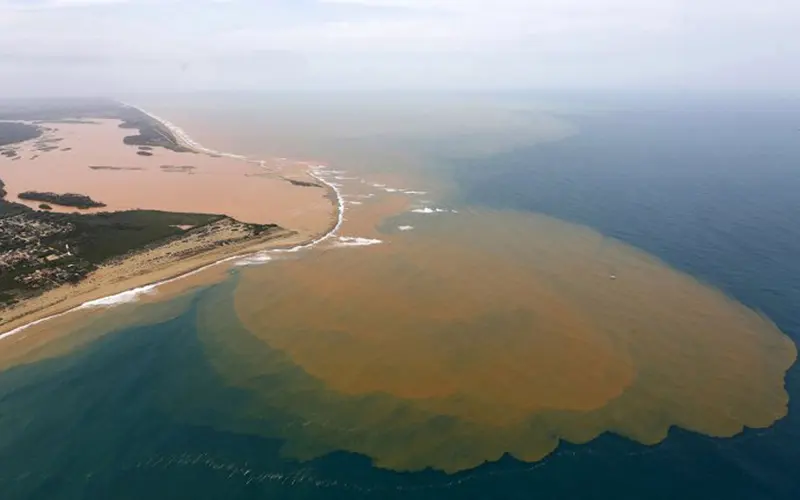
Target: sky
[{"x": 106, "y": 47}]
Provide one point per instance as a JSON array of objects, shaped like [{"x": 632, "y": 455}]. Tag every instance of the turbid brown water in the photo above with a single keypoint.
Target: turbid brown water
[
  {"x": 487, "y": 333},
  {"x": 474, "y": 335},
  {"x": 95, "y": 161}
]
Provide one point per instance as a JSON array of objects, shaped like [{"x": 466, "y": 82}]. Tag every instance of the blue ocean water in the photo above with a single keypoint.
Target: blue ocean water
[{"x": 709, "y": 187}]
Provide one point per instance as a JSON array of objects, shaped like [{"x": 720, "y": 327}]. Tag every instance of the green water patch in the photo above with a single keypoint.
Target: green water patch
[
  {"x": 141, "y": 411},
  {"x": 107, "y": 421}
]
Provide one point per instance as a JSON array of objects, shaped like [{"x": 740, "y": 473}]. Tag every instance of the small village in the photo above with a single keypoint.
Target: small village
[{"x": 34, "y": 255}]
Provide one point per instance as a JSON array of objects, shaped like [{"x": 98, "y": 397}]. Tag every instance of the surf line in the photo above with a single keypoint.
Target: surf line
[
  {"x": 183, "y": 137},
  {"x": 314, "y": 172}
]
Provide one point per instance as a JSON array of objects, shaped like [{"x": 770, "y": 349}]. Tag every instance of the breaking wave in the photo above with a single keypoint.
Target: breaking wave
[
  {"x": 120, "y": 298},
  {"x": 348, "y": 241},
  {"x": 132, "y": 295},
  {"x": 253, "y": 260}
]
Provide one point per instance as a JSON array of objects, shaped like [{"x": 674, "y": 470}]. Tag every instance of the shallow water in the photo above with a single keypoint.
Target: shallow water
[{"x": 482, "y": 331}]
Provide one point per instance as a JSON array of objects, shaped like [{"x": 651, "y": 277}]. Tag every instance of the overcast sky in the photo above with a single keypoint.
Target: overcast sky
[{"x": 119, "y": 46}]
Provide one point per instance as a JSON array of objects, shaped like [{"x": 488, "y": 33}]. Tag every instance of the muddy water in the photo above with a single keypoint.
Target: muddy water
[
  {"x": 443, "y": 335},
  {"x": 468, "y": 333},
  {"x": 165, "y": 180},
  {"x": 479, "y": 333}
]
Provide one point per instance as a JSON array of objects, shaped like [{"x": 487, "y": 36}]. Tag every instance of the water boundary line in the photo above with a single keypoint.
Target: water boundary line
[{"x": 182, "y": 136}]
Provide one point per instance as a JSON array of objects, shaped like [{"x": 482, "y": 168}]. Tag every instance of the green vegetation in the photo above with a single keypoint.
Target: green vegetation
[
  {"x": 108, "y": 167},
  {"x": 8, "y": 208},
  {"x": 99, "y": 237},
  {"x": 40, "y": 249},
  {"x": 80, "y": 201},
  {"x": 151, "y": 132}
]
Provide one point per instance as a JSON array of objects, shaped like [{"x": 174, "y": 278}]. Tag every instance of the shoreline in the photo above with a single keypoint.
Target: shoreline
[{"x": 131, "y": 286}]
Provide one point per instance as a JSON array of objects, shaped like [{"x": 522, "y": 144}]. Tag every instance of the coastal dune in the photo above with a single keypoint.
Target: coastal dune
[{"x": 92, "y": 159}]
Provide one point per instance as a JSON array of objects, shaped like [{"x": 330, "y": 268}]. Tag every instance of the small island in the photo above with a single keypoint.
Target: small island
[
  {"x": 295, "y": 182},
  {"x": 74, "y": 200},
  {"x": 74, "y": 229}
]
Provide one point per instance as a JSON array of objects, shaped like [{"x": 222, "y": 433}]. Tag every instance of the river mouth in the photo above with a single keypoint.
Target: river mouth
[
  {"x": 450, "y": 341},
  {"x": 555, "y": 333}
]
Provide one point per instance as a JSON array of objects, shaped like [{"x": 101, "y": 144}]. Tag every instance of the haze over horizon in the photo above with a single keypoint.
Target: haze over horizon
[{"x": 88, "y": 47}]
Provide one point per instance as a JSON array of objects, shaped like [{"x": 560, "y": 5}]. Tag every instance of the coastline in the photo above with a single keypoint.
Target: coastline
[{"x": 126, "y": 279}]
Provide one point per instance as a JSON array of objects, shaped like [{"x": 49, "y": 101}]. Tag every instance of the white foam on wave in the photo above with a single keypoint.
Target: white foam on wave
[
  {"x": 379, "y": 185},
  {"x": 405, "y": 228},
  {"x": 415, "y": 193},
  {"x": 19, "y": 329},
  {"x": 349, "y": 241},
  {"x": 315, "y": 171},
  {"x": 429, "y": 210},
  {"x": 120, "y": 298},
  {"x": 254, "y": 260},
  {"x": 391, "y": 190}
]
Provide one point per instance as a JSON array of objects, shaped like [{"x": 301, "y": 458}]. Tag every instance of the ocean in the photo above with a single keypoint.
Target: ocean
[{"x": 530, "y": 297}]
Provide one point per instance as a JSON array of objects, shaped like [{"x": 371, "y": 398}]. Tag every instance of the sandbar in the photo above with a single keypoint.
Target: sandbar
[{"x": 92, "y": 159}]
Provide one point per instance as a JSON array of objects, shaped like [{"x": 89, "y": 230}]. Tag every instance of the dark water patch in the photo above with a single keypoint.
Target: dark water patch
[
  {"x": 711, "y": 190},
  {"x": 15, "y": 132}
]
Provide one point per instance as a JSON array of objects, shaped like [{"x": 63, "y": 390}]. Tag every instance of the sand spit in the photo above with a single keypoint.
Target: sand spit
[{"x": 142, "y": 272}]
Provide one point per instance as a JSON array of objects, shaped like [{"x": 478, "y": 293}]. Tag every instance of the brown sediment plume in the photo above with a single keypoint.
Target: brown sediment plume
[
  {"x": 246, "y": 191},
  {"x": 493, "y": 333},
  {"x": 102, "y": 167}
]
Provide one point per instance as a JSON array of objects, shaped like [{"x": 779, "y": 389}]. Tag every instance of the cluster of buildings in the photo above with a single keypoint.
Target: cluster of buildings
[{"x": 33, "y": 254}]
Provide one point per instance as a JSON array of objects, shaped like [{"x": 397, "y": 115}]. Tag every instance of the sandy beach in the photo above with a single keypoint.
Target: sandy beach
[
  {"x": 92, "y": 159},
  {"x": 174, "y": 259}
]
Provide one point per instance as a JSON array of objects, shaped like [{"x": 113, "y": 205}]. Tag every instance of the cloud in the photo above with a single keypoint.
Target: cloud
[
  {"x": 47, "y": 4},
  {"x": 414, "y": 43}
]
